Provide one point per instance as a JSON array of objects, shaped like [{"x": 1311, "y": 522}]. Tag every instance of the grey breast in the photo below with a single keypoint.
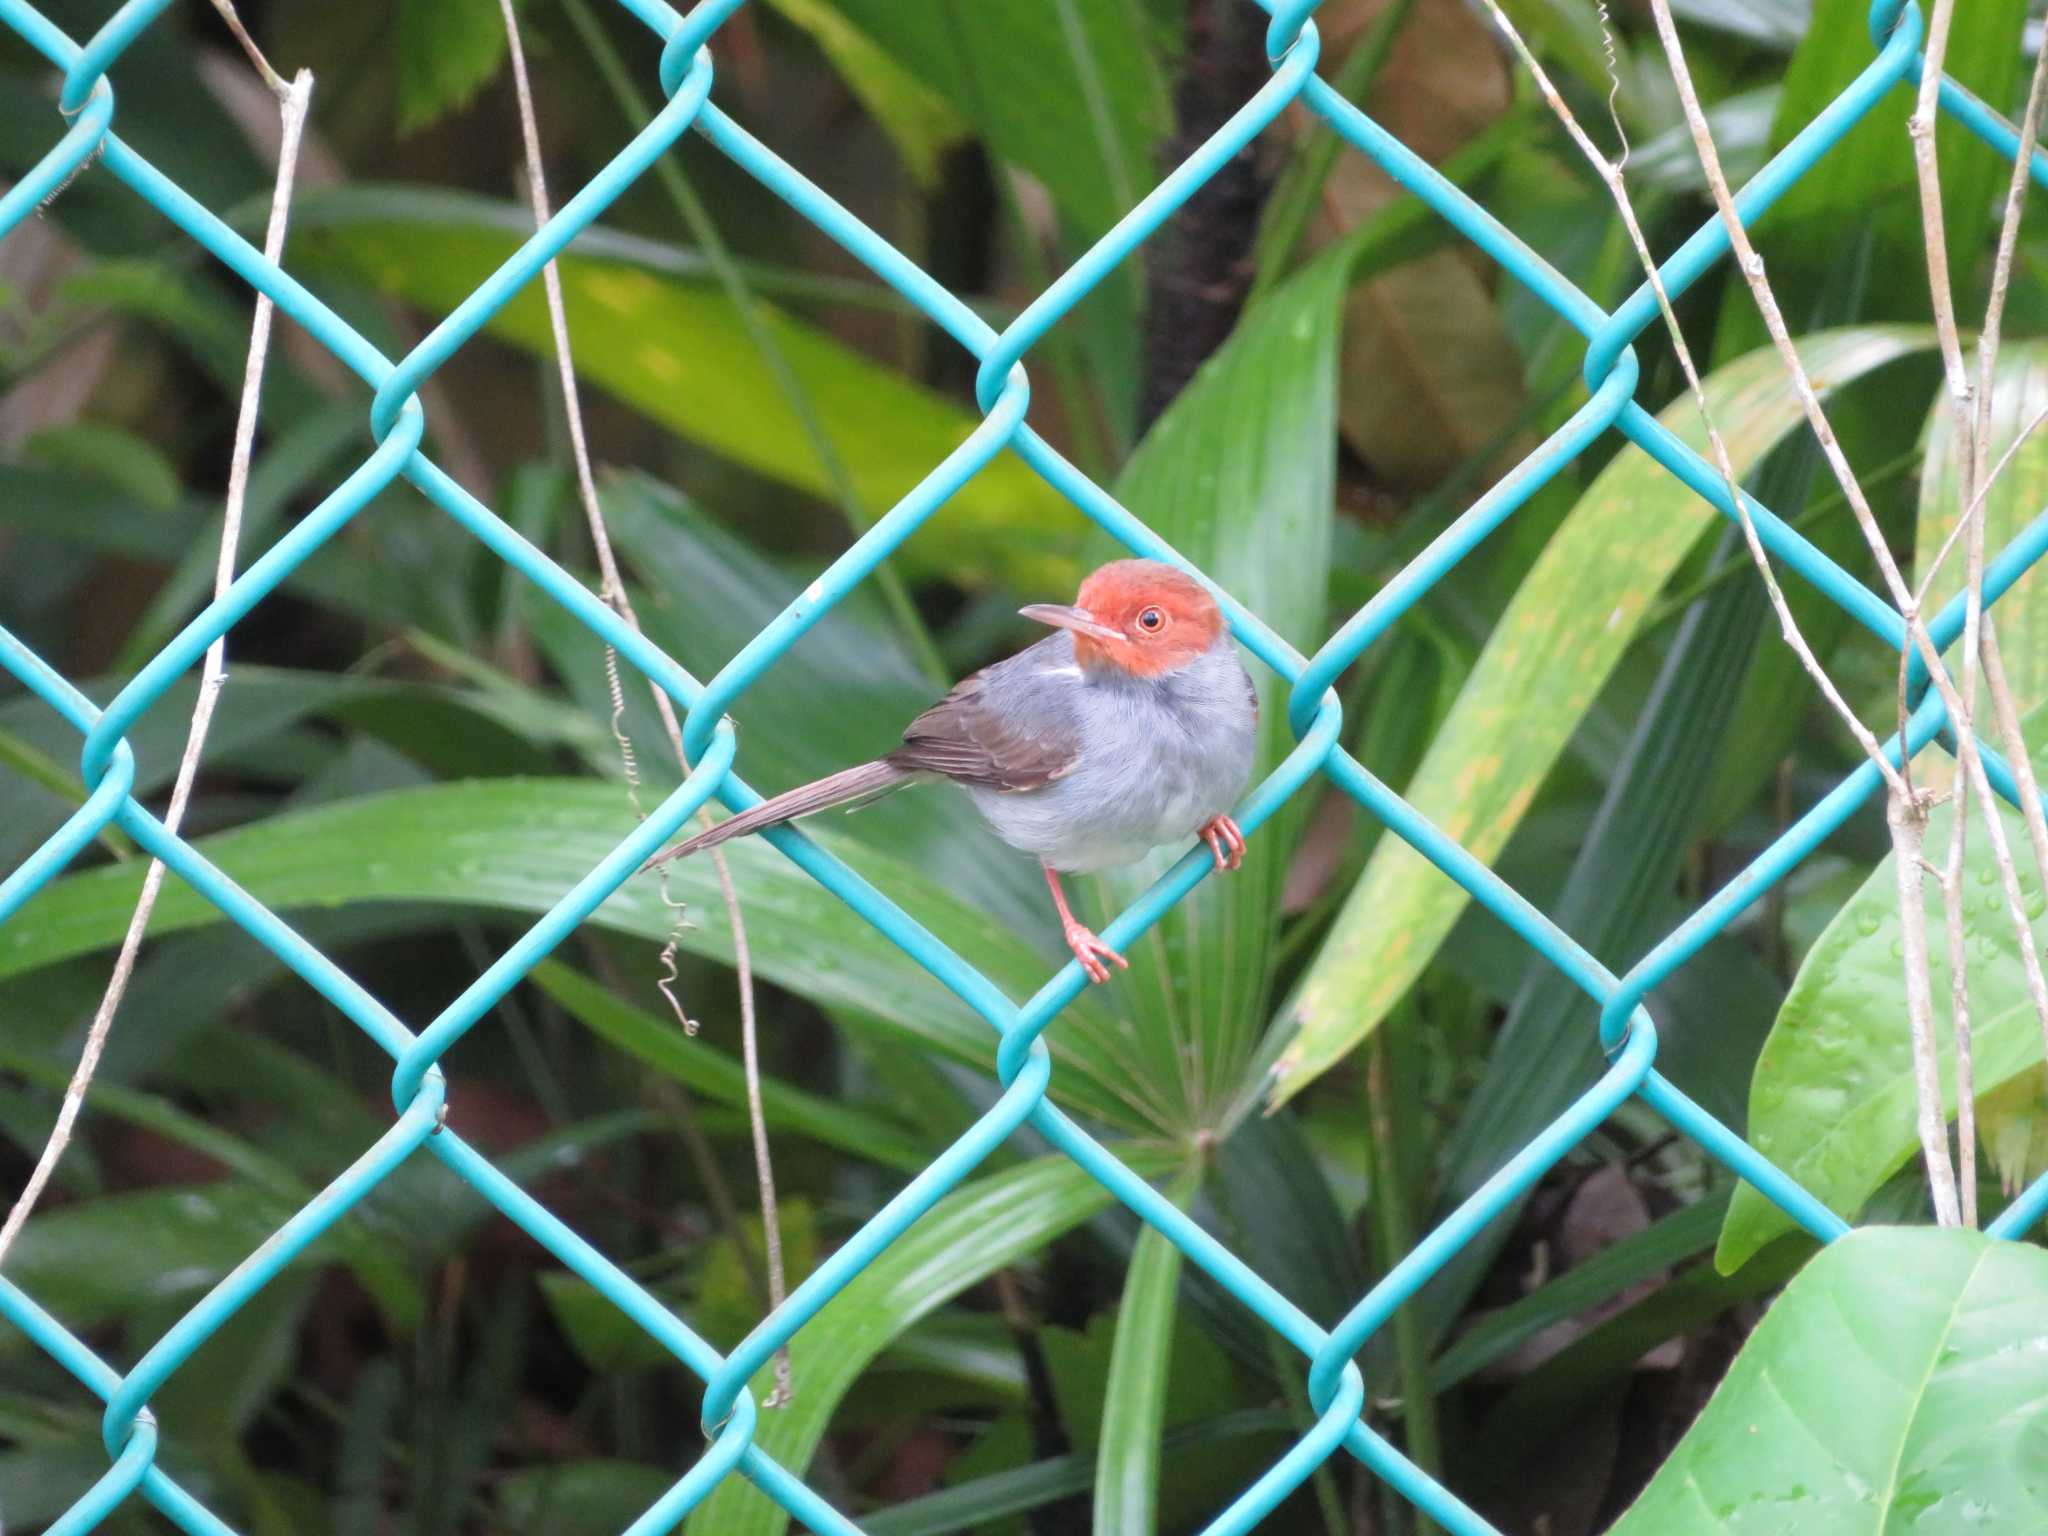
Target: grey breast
[{"x": 1159, "y": 757}]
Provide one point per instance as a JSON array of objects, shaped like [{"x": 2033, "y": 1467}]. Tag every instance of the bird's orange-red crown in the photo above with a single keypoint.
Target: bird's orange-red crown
[{"x": 1163, "y": 617}]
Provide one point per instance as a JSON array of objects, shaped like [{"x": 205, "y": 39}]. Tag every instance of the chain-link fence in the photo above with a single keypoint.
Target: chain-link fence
[{"x": 87, "y": 116}]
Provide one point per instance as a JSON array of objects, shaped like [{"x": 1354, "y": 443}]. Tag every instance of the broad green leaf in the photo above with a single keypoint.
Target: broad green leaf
[
  {"x": 1554, "y": 647},
  {"x": 517, "y": 845},
  {"x": 726, "y": 1280},
  {"x": 111, "y": 455},
  {"x": 446, "y": 51},
  {"x": 1773, "y": 24},
  {"x": 452, "y": 731},
  {"x": 1134, "y": 1402},
  {"x": 294, "y": 463},
  {"x": 1248, "y": 495},
  {"x": 980, "y": 1228},
  {"x": 914, "y": 116},
  {"x": 1896, "y": 1385},
  {"x": 2020, "y": 392},
  {"x": 712, "y": 1072},
  {"x": 679, "y": 352},
  {"x": 1833, "y": 1102},
  {"x": 1069, "y": 90},
  {"x": 91, "y": 515},
  {"x": 1741, "y": 125},
  {"x": 174, "y": 1242}
]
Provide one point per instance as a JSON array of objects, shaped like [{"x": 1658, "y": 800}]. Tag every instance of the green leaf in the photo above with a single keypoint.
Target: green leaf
[
  {"x": 679, "y": 352},
  {"x": 727, "y": 1274},
  {"x": 518, "y": 844},
  {"x": 578, "y": 1498},
  {"x": 1134, "y": 1403},
  {"x": 451, "y": 731},
  {"x": 1248, "y": 496},
  {"x": 1069, "y": 90},
  {"x": 1893, "y": 1386},
  {"x": 1833, "y": 1102},
  {"x": 174, "y": 1242},
  {"x": 970, "y": 1234},
  {"x": 447, "y": 51},
  {"x": 1543, "y": 666},
  {"x": 712, "y": 1072},
  {"x": 606, "y": 1339},
  {"x": 1548, "y": 1050},
  {"x": 290, "y": 466},
  {"x": 914, "y": 116},
  {"x": 976, "y": 1505},
  {"x": 2020, "y": 392},
  {"x": 111, "y": 455}
]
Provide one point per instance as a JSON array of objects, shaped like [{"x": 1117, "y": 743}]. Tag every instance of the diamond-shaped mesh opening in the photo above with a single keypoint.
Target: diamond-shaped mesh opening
[{"x": 1025, "y": 1068}]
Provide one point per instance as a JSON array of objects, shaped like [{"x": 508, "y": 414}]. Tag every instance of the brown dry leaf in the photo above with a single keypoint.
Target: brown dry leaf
[
  {"x": 1602, "y": 1211},
  {"x": 1429, "y": 374},
  {"x": 1445, "y": 79}
]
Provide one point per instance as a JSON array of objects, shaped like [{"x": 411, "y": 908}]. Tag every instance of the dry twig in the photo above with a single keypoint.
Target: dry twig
[
  {"x": 297, "y": 98},
  {"x": 1972, "y": 431},
  {"x": 614, "y": 593},
  {"x": 1911, "y": 805}
]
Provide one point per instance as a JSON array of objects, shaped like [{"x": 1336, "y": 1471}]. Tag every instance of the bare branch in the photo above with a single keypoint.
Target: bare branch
[
  {"x": 270, "y": 76},
  {"x": 1909, "y": 831},
  {"x": 1953, "y": 893},
  {"x": 298, "y": 97}
]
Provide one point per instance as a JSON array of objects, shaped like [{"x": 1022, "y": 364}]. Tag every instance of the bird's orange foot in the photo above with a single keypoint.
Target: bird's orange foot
[
  {"x": 1091, "y": 952},
  {"x": 1225, "y": 841}
]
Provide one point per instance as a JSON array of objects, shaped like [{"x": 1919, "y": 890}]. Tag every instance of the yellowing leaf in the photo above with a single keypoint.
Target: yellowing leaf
[{"x": 1569, "y": 623}]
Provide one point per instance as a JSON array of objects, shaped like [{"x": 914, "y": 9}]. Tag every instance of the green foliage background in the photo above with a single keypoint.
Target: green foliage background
[{"x": 1318, "y": 1058}]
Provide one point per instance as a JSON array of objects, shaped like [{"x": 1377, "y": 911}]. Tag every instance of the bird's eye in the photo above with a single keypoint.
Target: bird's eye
[{"x": 1151, "y": 621}]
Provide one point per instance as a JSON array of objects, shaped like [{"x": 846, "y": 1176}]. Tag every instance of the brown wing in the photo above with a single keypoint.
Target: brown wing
[{"x": 1008, "y": 727}]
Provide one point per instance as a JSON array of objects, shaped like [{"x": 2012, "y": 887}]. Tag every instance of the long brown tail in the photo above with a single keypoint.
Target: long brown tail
[{"x": 864, "y": 782}]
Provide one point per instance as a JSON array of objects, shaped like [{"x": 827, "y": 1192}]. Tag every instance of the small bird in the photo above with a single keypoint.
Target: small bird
[{"x": 1131, "y": 727}]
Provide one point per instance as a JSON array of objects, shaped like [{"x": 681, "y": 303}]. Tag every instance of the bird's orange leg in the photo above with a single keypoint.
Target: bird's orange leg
[
  {"x": 1221, "y": 833},
  {"x": 1087, "y": 948}
]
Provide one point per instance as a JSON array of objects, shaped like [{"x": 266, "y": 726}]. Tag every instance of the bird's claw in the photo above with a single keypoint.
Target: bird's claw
[
  {"x": 1225, "y": 841},
  {"x": 1087, "y": 948}
]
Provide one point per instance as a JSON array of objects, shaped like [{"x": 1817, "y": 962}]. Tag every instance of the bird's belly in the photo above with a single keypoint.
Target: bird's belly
[{"x": 1114, "y": 811}]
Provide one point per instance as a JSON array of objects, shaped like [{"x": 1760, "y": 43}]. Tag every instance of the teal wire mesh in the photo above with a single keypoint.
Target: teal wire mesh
[{"x": 85, "y": 141}]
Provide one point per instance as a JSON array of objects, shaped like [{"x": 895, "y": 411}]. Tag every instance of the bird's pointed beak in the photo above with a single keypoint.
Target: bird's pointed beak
[{"x": 1079, "y": 620}]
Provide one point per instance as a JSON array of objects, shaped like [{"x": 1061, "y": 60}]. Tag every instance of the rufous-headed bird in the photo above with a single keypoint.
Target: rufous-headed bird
[{"x": 1129, "y": 728}]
